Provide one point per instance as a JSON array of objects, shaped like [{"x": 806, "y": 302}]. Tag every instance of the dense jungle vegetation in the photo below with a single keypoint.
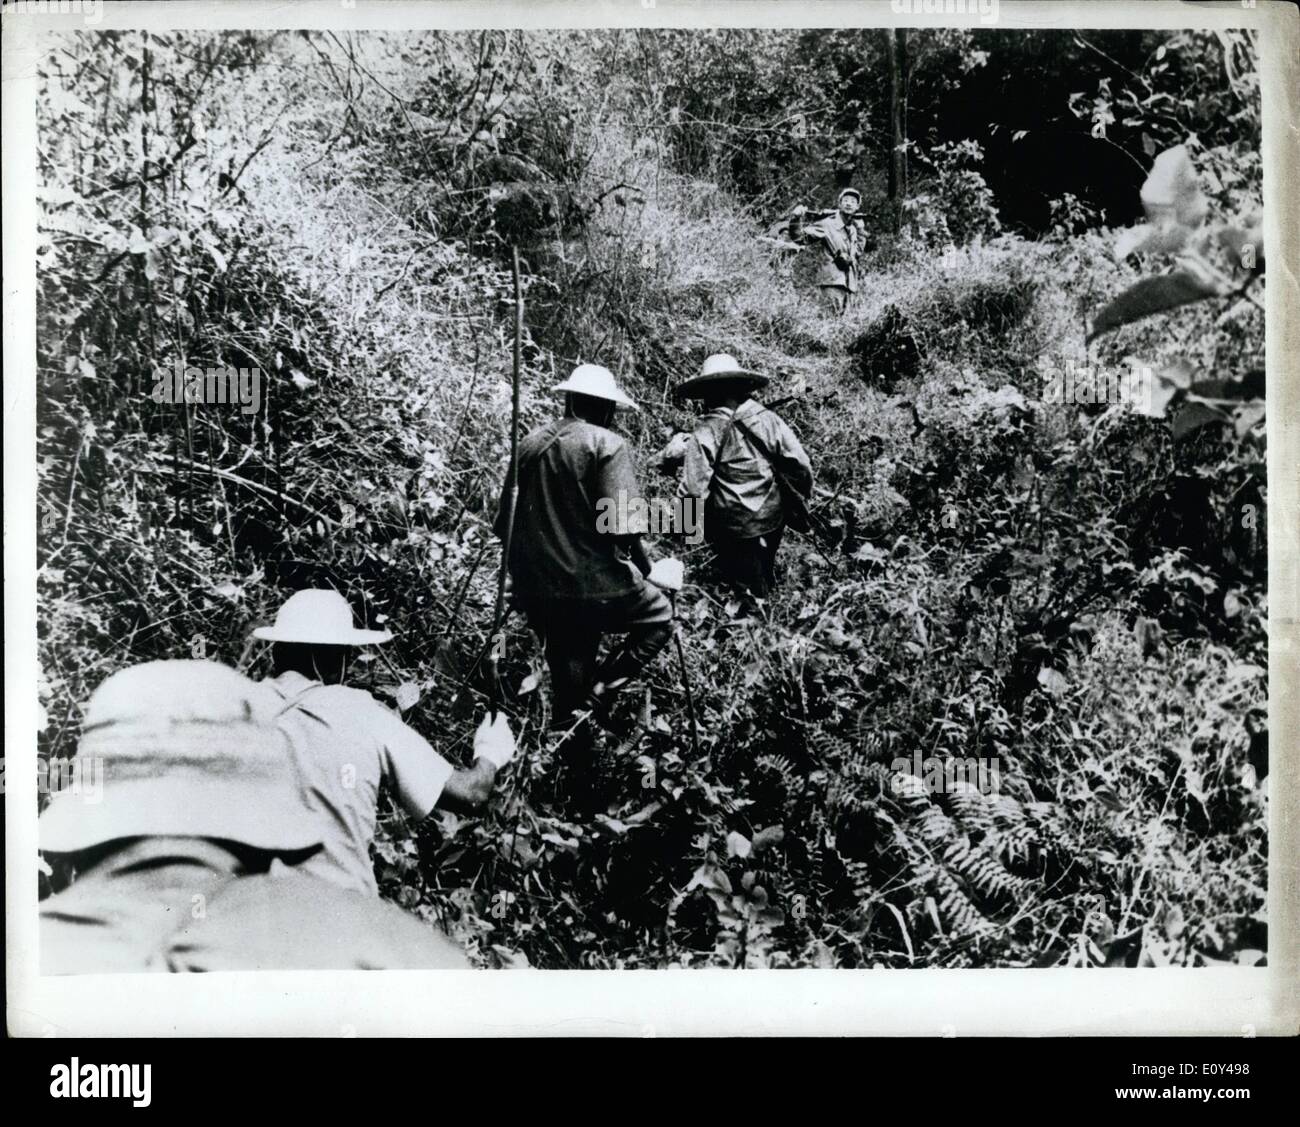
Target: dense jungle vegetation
[{"x": 1075, "y": 589}]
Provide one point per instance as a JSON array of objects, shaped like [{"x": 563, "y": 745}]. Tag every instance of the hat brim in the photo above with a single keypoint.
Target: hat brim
[
  {"x": 309, "y": 637},
  {"x": 693, "y": 385},
  {"x": 614, "y": 396},
  {"x": 235, "y": 809}
]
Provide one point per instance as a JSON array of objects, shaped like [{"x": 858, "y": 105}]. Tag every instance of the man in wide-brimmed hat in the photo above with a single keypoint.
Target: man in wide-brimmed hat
[
  {"x": 346, "y": 743},
  {"x": 187, "y": 852},
  {"x": 842, "y": 238},
  {"x": 748, "y": 468},
  {"x": 576, "y": 573}
]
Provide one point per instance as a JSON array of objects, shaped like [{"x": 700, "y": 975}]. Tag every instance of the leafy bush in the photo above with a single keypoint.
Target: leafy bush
[{"x": 1067, "y": 589}]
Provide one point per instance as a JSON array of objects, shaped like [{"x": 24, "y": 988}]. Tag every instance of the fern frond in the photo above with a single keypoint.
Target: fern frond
[{"x": 964, "y": 919}]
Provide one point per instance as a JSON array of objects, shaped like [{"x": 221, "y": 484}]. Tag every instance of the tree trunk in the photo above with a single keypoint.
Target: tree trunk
[
  {"x": 896, "y": 54},
  {"x": 904, "y": 80}
]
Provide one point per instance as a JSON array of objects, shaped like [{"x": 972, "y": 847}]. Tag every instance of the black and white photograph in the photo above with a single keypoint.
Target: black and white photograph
[{"x": 681, "y": 493}]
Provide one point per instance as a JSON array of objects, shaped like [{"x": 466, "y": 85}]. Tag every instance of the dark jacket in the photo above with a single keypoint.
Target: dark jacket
[
  {"x": 571, "y": 472},
  {"x": 723, "y": 466}
]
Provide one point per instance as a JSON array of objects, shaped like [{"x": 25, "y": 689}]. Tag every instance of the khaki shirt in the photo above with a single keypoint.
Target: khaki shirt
[
  {"x": 345, "y": 744},
  {"x": 184, "y": 905},
  {"x": 742, "y": 498},
  {"x": 841, "y": 246}
]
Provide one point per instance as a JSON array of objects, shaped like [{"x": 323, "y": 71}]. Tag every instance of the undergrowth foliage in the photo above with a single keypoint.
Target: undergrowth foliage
[{"x": 1073, "y": 593}]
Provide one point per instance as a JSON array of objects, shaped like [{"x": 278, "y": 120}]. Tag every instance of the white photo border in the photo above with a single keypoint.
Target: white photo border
[{"x": 1209, "y": 1001}]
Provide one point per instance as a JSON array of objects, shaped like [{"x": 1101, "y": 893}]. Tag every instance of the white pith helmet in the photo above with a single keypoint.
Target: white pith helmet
[
  {"x": 318, "y": 617},
  {"x": 598, "y": 382}
]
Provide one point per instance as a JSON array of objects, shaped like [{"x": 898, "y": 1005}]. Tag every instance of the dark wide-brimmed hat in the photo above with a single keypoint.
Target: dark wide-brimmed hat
[{"x": 719, "y": 369}]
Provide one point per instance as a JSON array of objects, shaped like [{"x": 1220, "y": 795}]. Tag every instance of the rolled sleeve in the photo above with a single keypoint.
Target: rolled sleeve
[{"x": 417, "y": 772}]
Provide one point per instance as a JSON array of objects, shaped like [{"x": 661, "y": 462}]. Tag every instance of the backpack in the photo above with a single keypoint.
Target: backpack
[{"x": 794, "y": 505}]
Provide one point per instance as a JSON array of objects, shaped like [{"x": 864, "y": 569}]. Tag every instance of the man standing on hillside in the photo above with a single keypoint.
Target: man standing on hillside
[
  {"x": 749, "y": 469},
  {"x": 345, "y": 742},
  {"x": 842, "y": 237},
  {"x": 575, "y": 577}
]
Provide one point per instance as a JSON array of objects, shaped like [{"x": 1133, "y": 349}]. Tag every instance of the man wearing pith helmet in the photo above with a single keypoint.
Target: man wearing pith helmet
[
  {"x": 188, "y": 852},
  {"x": 579, "y": 577},
  {"x": 748, "y": 468},
  {"x": 842, "y": 240},
  {"x": 345, "y": 743}
]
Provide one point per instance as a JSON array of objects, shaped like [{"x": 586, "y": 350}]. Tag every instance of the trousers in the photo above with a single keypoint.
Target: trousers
[
  {"x": 572, "y": 632},
  {"x": 835, "y": 298},
  {"x": 749, "y": 562}
]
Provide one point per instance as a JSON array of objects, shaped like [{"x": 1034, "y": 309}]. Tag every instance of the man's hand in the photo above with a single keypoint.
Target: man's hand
[
  {"x": 667, "y": 574},
  {"x": 494, "y": 741},
  {"x": 673, "y": 454}
]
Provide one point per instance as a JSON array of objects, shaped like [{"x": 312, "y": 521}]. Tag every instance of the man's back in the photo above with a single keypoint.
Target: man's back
[
  {"x": 345, "y": 744},
  {"x": 725, "y": 464},
  {"x": 295, "y": 921},
  {"x": 184, "y": 905},
  {"x": 566, "y": 468}
]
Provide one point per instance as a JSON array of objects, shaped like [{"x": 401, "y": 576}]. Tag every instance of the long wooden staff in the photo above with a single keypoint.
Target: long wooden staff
[{"x": 512, "y": 497}]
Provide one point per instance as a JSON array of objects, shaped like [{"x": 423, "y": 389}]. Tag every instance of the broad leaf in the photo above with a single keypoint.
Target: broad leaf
[
  {"x": 1172, "y": 191},
  {"x": 1147, "y": 239},
  {"x": 1193, "y": 415},
  {"x": 509, "y": 958},
  {"x": 1250, "y": 387},
  {"x": 1108, "y": 798},
  {"x": 615, "y": 825},
  {"x": 738, "y": 845},
  {"x": 1244, "y": 243},
  {"x": 1052, "y": 681},
  {"x": 710, "y": 877},
  {"x": 1248, "y": 417},
  {"x": 1163, "y": 386},
  {"x": 1152, "y": 295}
]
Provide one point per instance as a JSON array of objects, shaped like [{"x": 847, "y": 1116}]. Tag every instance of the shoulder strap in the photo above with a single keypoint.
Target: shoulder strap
[
  {"x": 290, "y": 703},
  {"x": 766, "y": 452},
  {"x": 722, "y": 445},
  {"x": 536, "y": 458},
  {"x": 762, "y": 446}
]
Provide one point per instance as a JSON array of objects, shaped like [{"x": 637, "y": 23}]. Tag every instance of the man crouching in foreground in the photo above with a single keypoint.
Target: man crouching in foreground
[{"x": 185, "y": 859}]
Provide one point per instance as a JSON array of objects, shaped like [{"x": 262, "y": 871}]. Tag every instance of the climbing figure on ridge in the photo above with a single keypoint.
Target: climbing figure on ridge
[{"x": 842, "y": 237}]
